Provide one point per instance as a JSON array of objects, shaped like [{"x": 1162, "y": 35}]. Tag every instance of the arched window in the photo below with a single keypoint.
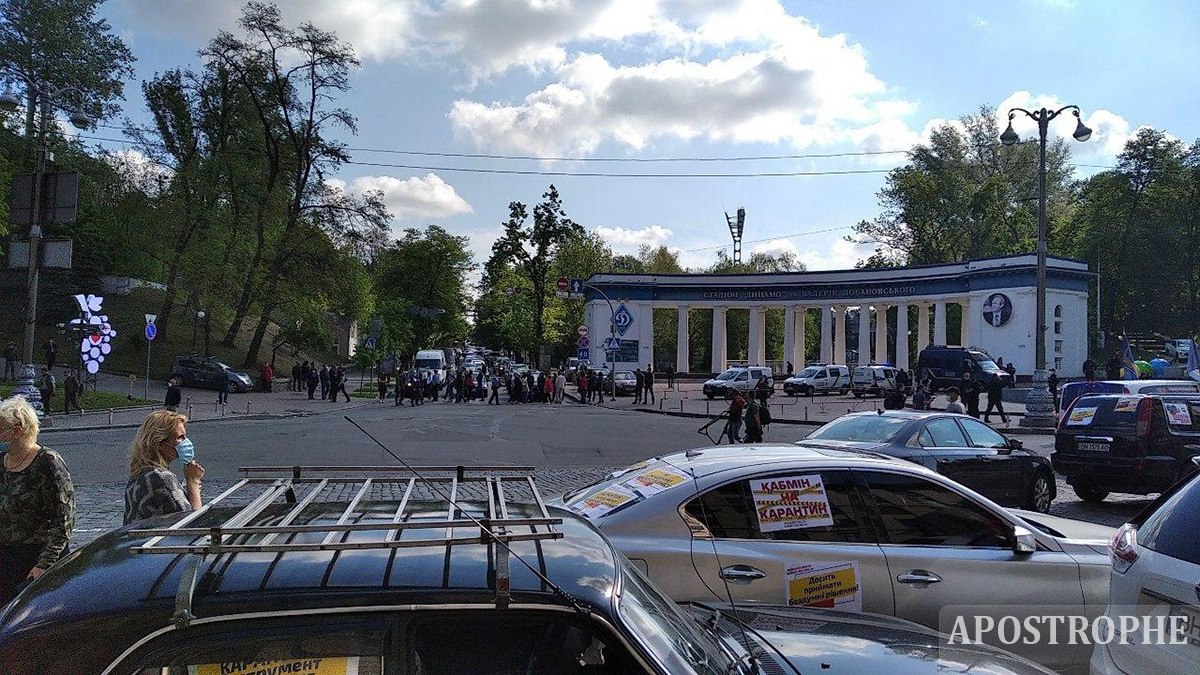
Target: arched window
[
  {"x": 1058, "y": 311},
  {"x": 1058, "y": 323}
]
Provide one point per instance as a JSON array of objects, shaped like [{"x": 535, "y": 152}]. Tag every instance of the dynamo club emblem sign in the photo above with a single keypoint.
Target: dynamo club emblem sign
[
  {"x": 998, "y": 309},
  {"x": 97, "y": 332}
]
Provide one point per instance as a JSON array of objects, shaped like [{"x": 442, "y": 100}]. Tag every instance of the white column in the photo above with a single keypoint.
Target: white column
[
  {"x": 922, "y": 326},
  {"x": 756, "y": 346},
  {"x": 646, "y": 335},
  {"x": 682, "y": 362},
  {"x": 864, "y": 335},
  {"x": 967, "y": 315},
  {"x": 826, "y": 335},
  {"x": 939, "y": 323},
  {"x": 902, "y": 335},
  {"x": 719, "y": 346},
  {"x": 881, "y": 350},
  {"x": 789, "y": 336},
  {"x": 800, "y": 338},
  {"x": 839, "y": 349}
]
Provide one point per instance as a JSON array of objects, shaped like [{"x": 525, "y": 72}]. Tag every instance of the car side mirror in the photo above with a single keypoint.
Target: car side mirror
[
  {"x": 1014, "y": 444},
  {"x": 1024, "y": 542}
]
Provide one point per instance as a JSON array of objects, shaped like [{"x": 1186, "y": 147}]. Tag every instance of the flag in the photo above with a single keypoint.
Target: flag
[
  {"x": 1129, "y": 369},
  {"x": 1193, "y": 362}
]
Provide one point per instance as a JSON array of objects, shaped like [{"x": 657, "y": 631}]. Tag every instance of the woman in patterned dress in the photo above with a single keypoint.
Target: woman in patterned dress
[
  {"x": 153, "y": 490},
  {"x": 37, "y": 500}
]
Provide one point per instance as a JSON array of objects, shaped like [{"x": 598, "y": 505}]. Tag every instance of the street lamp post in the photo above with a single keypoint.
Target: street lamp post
[
  {"x": 1039, "y": 405},
  {"x": 195, "y": 325},
  {"x": 9, "y": 102}
]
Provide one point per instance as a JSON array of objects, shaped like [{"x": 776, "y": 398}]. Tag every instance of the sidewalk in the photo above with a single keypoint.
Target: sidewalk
[{"x": 200, "y": 405}]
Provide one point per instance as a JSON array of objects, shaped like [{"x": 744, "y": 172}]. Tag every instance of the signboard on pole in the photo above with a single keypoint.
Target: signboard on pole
[
  {"x": 612, "y": 344},
  {"x": 151, "y": 328},
  {"x": 583, "y": 343},
  {"x": 622, "y": 319},
  {"x": 575, "y": 288},
  {"x": 583, "y": 330},
  {"x": 583, "y": 354},
  {"x": 151, "y": 333},
  {"x": 561, "y": 283}
]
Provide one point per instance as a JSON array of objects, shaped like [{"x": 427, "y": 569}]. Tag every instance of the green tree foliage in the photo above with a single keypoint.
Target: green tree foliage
[{"x": 420, "y": 282}]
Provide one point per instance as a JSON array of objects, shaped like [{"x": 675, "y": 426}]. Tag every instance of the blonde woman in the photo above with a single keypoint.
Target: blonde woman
[
  {"x": 37, "y": 500},
  {"x": 153, "y": 490}
]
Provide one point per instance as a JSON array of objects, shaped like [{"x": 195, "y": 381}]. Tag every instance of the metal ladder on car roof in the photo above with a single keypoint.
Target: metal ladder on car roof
[{"x": 303, "y": 486}]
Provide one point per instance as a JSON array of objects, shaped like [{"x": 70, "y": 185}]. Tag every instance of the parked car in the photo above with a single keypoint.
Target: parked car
[
  {"x": 957, "y": 446},
  {"x": 818, "y": 379},
  {"x": 322, "y": 591},
  {"x": 948, "y": 364},
  {"x": 885, "y": 536},
  {"x": 1156, "y": 562},
  {"x": 1178, "y": 349},
  {"x": 1137, "y": 443},
  {"x": 205, "y": 372},
  {"x": 1073, "y": 390},
  {"x": 626, "y": 383},
  {"x": 743, "y": 379},
  {"x": 874, "y": 381}
]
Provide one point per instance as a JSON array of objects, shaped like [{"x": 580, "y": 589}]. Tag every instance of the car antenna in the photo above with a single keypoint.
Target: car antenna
[{"x": 558, "y": 590}]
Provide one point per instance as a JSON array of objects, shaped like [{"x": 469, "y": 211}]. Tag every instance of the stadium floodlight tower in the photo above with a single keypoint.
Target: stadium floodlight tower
[{"x": 735, "y": 231}]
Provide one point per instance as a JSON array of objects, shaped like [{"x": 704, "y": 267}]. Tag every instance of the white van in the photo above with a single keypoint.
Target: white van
[
  {"x": 432, "y": 359},
  {"x": 818, "y": 379},
  {"x": 874, "y": 381}
]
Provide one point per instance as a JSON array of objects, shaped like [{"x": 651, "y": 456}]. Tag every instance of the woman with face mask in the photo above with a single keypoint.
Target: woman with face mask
[
  {"x": 37, "y": 500},
  {"x": 153, "y": 490}
]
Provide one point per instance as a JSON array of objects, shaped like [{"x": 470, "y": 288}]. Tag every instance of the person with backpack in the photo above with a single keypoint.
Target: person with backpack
[
  {"x": 46, "y": 387},
  {"x": 754, "y": 421}
]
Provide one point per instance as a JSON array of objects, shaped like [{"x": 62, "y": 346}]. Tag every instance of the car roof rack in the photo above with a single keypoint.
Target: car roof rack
[{"x": 301, "y": 486}]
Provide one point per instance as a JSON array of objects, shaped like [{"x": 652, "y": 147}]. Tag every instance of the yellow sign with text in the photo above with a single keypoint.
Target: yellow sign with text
[
  {"x": 309, "y": 666},
  {"x": 834, "y": 586}
]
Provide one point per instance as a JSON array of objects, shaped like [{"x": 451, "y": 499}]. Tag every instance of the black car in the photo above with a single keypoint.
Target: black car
[
  {"x": 207, "y": 373},
  {"x": 1132, "y": 443},
  {"x": 948, "y": 364},
  {"x": 370, "y": 575},
  {"x": 957, "y": 446}
]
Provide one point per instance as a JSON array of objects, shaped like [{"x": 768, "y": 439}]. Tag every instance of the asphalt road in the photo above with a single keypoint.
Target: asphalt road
[{"x": 569, "y": 444}]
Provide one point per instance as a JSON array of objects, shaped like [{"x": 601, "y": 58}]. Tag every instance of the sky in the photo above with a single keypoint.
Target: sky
[{"x": 611, "y": 86}]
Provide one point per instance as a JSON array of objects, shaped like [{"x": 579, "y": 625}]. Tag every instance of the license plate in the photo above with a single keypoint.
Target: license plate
[
  {"x": 1193, "y": 622},
  {"x": 1093, "y": 447}
]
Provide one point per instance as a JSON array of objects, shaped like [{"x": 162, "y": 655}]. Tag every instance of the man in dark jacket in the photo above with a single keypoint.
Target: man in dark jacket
[
  {"x": 312, "y": 380},
  {"x": 649, "y": 382},
  {"x": 71, "y": 393},
  {"x": 638, "y": 385},
  {"x": 970, "y": 390},
  {"x": 10, "y": 362},
  {"x": 174, "y": 395},
  {"x": 324, "y": 378},
  {"x": 995, "y": 399}
]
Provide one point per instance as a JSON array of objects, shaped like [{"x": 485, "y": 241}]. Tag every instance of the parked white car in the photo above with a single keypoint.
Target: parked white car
[
  {"x": 818, "y": 379},
  {"x": 743, "y": 379},
  {"x": 1156, "y": 567},
  {"x": 897, "y": 538},
  {"x": 874, "y": 381},
  {"x": 1178, "y": 349}
]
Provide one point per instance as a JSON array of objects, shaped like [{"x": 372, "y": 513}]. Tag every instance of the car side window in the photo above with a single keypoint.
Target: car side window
[
  {"x": 916, "y": 511},
  {"x": 742, "y": 377},
  {"x": 982, "y": 436},
  {"x": 729, "y": 512},
  {"x": 942, "y": 433}
]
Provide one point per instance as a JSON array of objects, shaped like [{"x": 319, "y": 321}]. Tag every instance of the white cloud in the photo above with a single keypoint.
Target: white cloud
[
  {"x": 411, "y": 198},
  {"x": 138, "y": 170},
  {"x": 627, "y": 239},
  {"x": 839, "y": 255},
  {"x": 777, "y": 247}
]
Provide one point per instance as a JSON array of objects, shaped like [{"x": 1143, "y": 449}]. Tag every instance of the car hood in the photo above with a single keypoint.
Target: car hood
[
  {"x": 827, "y": 641},
  {"x": 1078, "y": 531},
  {"x": 715, "y": 381}
]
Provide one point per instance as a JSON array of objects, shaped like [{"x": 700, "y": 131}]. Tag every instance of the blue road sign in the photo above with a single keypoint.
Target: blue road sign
[
  {"x": 583, "y": 354},
  {"x": 369, "y": 343},
  {"x": 622, "y": 319},
  {"x": 612, "y": 344},
  {"x": 151, "y": 331},
  {"x": 575, "y": 286}
]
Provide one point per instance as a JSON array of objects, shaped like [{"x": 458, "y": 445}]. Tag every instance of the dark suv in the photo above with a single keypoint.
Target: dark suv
[
  {"x": 207, "y": 373},
  {"x": 1131, "y": 443},
  {"x": 371, "y": 575}
]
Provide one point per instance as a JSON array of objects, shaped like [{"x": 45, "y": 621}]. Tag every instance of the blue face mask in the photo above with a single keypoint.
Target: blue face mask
[
  {"x": 186, "y": 451},
  {"x": 3, "y": 446}
]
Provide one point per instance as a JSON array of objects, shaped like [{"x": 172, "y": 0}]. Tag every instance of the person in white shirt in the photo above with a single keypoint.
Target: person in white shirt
[{"x": 953, "y": 405}]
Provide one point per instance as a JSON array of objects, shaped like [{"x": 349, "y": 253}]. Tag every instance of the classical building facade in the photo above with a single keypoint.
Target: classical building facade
[{"x": 997, "y": 297}]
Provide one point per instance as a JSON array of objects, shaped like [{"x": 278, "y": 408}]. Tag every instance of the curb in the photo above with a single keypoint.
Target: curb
[{"x": 231, "y": 418}]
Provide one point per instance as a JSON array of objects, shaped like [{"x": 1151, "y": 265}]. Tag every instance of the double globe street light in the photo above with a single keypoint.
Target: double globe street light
[{"x": 1039, "y": 405}]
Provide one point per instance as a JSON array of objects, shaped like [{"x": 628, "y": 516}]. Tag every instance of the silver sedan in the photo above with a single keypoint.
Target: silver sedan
[{"x": 845, "y": 530}]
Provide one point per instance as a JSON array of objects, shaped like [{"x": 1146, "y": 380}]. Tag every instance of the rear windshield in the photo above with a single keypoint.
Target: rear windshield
[
  {"x": 864, "y": 428},
  {"x": 1092, "y": 411},
  {"x": 1173, "y": 529},
  {"x": 429, "y": 363}
]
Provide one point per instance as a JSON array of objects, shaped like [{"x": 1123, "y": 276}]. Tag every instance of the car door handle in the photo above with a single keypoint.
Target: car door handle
[
  {"x": 918, "y": 577},
  {"x": 741, "y": 574}
]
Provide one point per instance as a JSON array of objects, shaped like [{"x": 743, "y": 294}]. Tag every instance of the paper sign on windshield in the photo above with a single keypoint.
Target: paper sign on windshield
[
  {"x": 829, "y": 585},
  {"x": 605, "y": 501},
  {"x": 1081, "y": 417},
  {"x": 790, "y": 503},
  {"x": 1126, "y": 404},
  {"x": 1178, "y": 414},
  {"x": 310, "y": 666},
  {"x": 656, "y": 480}
]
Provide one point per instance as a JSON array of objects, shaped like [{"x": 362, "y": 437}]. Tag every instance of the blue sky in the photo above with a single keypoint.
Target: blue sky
[{"x": 643, "y": 79}]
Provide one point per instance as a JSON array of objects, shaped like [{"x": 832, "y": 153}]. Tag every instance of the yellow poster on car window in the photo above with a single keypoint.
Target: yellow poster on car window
[
  {"x": 347, "y": 665},
  {"x": 791, "y": 502},
  {"x": 652, "y": 482},
  {"x": 828, "y": 585},
  {"x": 1081, "y": 417}
]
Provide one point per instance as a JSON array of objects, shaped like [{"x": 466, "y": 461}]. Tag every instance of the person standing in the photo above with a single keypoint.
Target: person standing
[
  {"x": 37, "y": 500},
  {"x": 1052, "y": 382},
  {"x": 324, "y": 378},
  {"x": 174, "y": 395},
  {"x": 268, "y": 377},
  {"x": 581, "y": 381},
  {"x": 342, "y": 377},
  {"x": 51, "y": 353},
  {"x": 382, "y": 386},
  {"x": 1012, "y": 372},
  {"x": 995, "y": 399},
  {"x": 1112, "y": 367},
  {"x": 294, "y": 384},
  {"x": 670, "y": 376},
  {"x": 737, "y": 406},
  {"x": 312, "y": 380},
  {"x": 153, "y": 489},
  {"x": 10, "y": 362},
  {"x": 1089, "y": 369},
  {"x": 334, "y": 384},
  {"x": 223, "y": 389},
  {"x": 754, "y": 426},
  {"x": 494, "y": 396},
  {"x": 638, "y": 385},
  {"x": 47, "y": 386},
  {"x": 649, "y": 378},
  {"x": 953, "y": 405},
  {"x": 969, "y": 388},
  {"x": 560, "y": 387},
  {"x": 71, "y": 393}
]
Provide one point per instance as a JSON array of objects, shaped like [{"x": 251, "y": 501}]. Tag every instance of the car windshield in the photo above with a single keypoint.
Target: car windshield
[
  {"x": 677, "y": 642},
  {"x": 808, "y": 372},
  {"x": 625, "y": 375},
  {"x": 429, "y": 363},
  {"x": 861, "y": 428},
  {"x": 728, "y": 375},
  {"x": 985, "y": 362}
]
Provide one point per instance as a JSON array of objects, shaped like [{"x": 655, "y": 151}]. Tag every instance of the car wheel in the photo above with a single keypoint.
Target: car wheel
[
  {"x": 1041, "y": 493},
  {"x": 710, "y": 396},
  {"x": 858, "y": 394},
  {"x": 808, "y": 391},
  {"x": 844, "y": 392},
  {"x": 790, "y": 393},
  {"x": 1090, "y": 494}
]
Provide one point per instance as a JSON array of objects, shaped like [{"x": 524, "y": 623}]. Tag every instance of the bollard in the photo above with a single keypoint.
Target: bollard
[
  {"x": 216, "y": 406},
  {"x": 247, "y": 406},
  {"x": 222, "y": 410},
  {"x": 805, "y": 413},
  {"x": 110, "y": 414},
  {"x": 680, "y": 405}
]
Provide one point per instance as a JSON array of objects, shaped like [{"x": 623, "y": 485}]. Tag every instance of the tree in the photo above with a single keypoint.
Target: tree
[
  {"x": 531, "y": 247},
  {"x": 62, "y": 43},
  {"x": 426, "y": 271}
]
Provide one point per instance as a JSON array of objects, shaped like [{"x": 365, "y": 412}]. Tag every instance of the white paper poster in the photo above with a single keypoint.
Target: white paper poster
[
  {"x": 1178, "y": 414},
  {"x": 605, "y": 501},
  {"x": 1081, "y": 417},
  {"x": 654, "y": 481},
  {"x": 791, "y": 503},
  {"x": 828, "y": 585}
]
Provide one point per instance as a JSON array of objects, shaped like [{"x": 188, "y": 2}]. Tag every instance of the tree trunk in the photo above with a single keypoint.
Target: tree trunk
[
  {"x": 260, "y": 331},
  {"x": 247, "y": 297}
]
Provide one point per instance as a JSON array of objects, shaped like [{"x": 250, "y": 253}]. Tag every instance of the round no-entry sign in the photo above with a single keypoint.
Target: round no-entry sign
[
  {"x": 562, "y": 283},
  {"x": 582, "y": 331}
]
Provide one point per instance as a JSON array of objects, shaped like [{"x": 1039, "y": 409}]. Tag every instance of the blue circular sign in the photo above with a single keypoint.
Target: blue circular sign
[{"x": 151, "y": 331}]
